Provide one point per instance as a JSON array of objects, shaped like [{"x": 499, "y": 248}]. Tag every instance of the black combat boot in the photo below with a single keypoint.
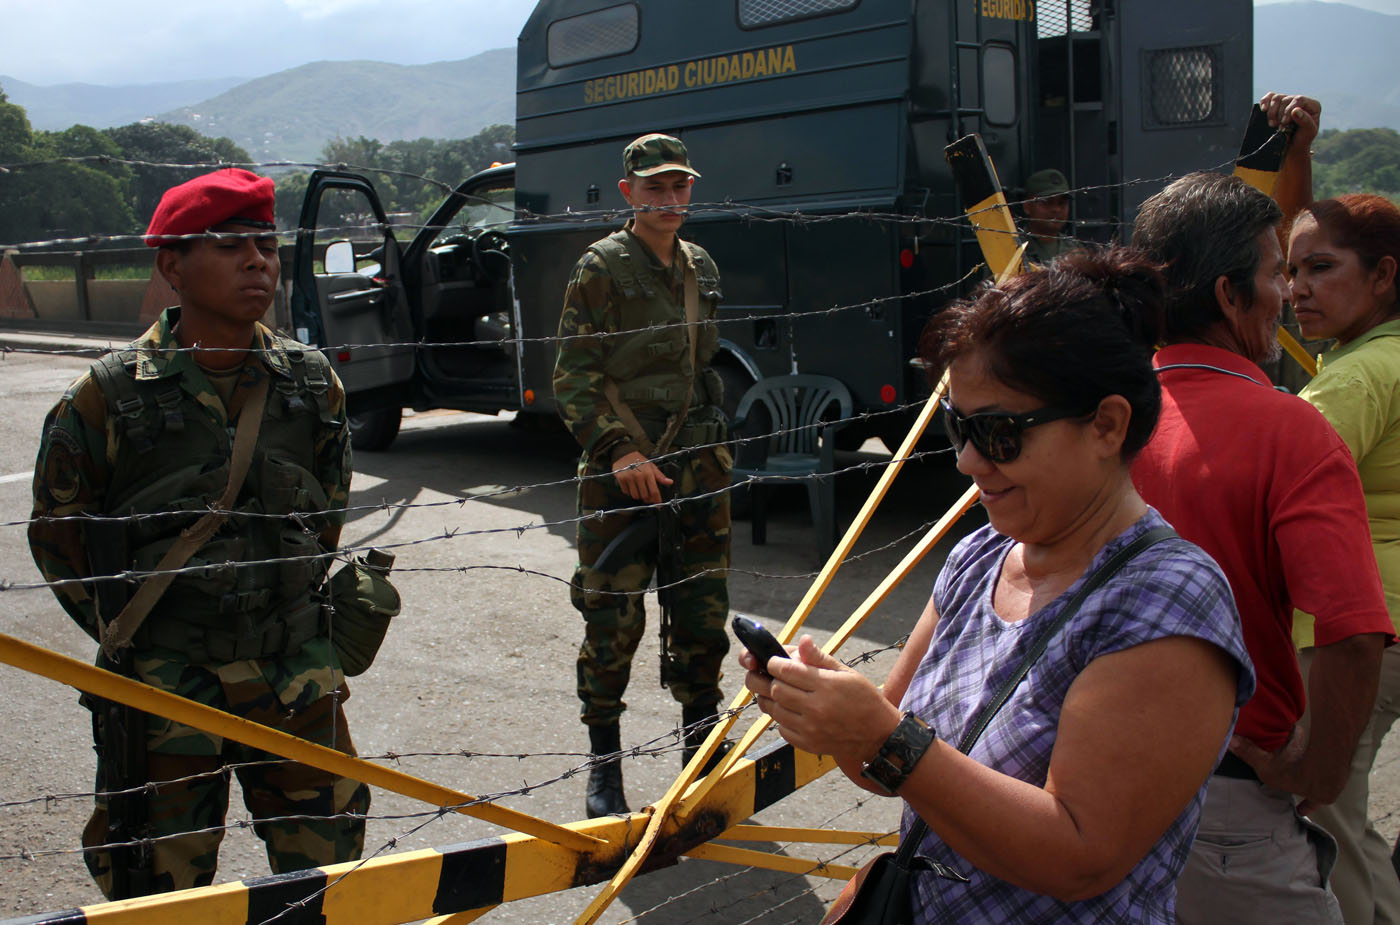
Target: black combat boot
[
  {"x": 705, "y": 715},
  {"x": 605, "y": 797}
]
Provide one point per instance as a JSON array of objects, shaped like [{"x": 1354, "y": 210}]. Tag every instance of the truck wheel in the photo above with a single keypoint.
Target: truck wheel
[{"x": 374, "y": 430}]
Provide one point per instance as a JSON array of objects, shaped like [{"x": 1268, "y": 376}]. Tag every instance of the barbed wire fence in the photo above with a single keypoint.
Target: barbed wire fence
[{"x": 43, "y": 799}]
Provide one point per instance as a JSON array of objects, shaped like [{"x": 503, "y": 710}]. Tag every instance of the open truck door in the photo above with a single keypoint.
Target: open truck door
[{"x": 349, "y": 299}]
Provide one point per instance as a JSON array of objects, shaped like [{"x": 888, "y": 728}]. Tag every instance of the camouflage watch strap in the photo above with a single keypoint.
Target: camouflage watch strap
[{"x": 895, "y": 760}]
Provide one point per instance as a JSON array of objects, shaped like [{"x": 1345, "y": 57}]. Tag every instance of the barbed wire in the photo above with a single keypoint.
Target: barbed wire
[
  {"x": 747, "y": 212},
  {"x": 737, "y": 439},
  {"x": 346, "y": 552},
  {"x": 752, "y": 211},
  {"x": 666, "y": 743}
]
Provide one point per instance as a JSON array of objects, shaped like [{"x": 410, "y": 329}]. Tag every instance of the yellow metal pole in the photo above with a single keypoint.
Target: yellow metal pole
[
  {"x": 696, "y": 798},
  {"x": 149, "y": 699},
  {"x": 811, "y": 836},
  {"x": 747, "y": 857}
]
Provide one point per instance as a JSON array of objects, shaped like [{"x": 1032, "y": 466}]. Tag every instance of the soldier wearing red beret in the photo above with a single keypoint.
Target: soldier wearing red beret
[{"x": 219, "y": 455}]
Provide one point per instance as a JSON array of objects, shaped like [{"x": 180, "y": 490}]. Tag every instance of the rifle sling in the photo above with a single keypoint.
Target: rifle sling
[
  {"x": 117, "y": 634},
  {"x": 692, "y": 318}
]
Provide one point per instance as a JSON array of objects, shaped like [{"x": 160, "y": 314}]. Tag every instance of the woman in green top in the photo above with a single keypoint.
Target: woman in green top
[{"x": 1342, "y": 257}]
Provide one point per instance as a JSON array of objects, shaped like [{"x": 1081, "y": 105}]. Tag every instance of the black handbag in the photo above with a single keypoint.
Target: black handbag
[{"x": 881, "y": 892}]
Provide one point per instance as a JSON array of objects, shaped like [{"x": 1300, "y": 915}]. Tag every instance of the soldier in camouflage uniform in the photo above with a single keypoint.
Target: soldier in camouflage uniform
[
  {"x": 648, "y": 418},
  {"x": 1046, "y": 211},
  {"x": 146, "y": 431}
]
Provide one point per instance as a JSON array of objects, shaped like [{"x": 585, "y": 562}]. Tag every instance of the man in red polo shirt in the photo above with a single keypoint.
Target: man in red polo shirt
[{"x": 1260, "y": 480}]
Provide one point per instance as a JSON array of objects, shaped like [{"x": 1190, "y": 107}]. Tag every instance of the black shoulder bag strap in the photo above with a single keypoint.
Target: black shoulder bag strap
[{"x": 907, "y": 848}]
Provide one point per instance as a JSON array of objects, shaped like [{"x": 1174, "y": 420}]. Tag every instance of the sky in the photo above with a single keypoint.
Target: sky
[{"x": 48, "y": 42}]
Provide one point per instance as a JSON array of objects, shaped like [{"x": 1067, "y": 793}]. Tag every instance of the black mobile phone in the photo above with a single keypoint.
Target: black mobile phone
[{"x": 758, "y": 640}]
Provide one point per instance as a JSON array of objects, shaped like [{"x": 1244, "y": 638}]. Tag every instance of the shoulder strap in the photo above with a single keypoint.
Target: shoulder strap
[
  {"x": 117, "y": 634},
  {"x": 1102, "y": 574},
  {"x": 692, "y": 318}
]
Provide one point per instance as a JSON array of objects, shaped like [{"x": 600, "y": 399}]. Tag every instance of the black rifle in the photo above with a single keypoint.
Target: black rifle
[{"x": 119, "y": 731}]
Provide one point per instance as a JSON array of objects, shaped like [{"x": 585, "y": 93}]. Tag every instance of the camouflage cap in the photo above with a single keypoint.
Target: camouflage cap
[
  {"x": 656, "y": 153},
  {"x": 1048, "y": 182}
]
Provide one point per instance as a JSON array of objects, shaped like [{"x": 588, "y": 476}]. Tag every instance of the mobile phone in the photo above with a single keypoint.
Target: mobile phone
[{"x": 758, "y": 640}]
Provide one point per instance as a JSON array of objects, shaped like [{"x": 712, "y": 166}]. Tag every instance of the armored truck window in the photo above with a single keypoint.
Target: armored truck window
[
  {"x": 753, "y": 13},
  {"x": 999, "y": 84},
  {"x": 600, "y": 34},
  {"x": 1183, "y": 87},
  {"x": 1059, "y": 17}
]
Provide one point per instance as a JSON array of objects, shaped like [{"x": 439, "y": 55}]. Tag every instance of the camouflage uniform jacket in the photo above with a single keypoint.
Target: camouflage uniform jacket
[
  {"x": 656, "y": 350},
  {"x": 1041, "y": 251},
  {"x": 83, "y": 447}
]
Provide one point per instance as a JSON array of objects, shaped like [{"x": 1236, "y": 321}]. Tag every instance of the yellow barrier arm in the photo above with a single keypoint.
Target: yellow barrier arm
[{"x": 149, "y": 699}]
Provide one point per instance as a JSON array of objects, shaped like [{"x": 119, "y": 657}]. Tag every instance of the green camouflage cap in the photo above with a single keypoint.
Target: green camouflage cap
[
  {"x": 1048, "y": 182},
  {"x": 656, "y": 153}
]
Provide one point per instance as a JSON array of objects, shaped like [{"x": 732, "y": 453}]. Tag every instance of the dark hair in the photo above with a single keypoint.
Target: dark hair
[
  {"x": 1200, "y": 228},
  {"x": 1070, "y": 334},
  {"x": 1364, "y": 223}
]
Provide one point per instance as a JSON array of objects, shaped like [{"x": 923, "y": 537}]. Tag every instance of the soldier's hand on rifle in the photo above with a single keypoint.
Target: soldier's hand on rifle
[
  {"x": 639, "y": 478},
  {"x": 1284, "y": 109}
]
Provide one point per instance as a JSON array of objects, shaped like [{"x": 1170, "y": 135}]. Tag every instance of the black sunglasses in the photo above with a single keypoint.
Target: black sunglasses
[{"x": 996, "y": 434}]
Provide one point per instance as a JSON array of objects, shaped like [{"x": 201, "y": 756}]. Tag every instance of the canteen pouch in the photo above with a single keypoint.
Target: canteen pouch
[{"x": 363, "y": 602}]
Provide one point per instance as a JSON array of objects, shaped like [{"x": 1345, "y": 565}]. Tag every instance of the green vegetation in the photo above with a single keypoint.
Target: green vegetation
[
  {"x": 411, "y": 177},
  {"x": 74, "y": 183},
  {"x": 1362, "y": 160}
]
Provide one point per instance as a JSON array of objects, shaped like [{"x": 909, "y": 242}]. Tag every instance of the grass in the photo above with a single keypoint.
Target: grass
[{"x": 66, "y": 274}]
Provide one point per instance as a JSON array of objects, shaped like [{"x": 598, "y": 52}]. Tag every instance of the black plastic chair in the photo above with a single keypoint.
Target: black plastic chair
[{"x": 796, "y": 443}]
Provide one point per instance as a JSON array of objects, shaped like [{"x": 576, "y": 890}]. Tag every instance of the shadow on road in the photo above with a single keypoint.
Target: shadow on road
[{"x": 453, "y": 458}]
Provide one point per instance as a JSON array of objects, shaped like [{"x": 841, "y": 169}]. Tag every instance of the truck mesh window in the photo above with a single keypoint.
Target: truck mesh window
[
  {"x": 1182, "y": 86},
  {"x": 599, "y": 34},
  {"x": 1058, "y": 17},
  {"x": 770, "y": 12}
]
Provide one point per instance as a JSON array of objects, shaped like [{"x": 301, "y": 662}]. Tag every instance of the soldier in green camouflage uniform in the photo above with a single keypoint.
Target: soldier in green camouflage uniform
[
  {"x": 625, "y": 382},
  {"x": 1046, "y": 216},
  {"x": 149, "y": 430}
]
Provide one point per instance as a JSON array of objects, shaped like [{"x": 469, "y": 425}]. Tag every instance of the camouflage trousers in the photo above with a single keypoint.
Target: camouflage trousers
[
  {"x": 611, "y": 602},
  {"x": 186, "y": 812}
]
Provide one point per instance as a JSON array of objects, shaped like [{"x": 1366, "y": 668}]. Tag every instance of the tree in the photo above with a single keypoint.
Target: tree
[{"x": 160, "y": 145}]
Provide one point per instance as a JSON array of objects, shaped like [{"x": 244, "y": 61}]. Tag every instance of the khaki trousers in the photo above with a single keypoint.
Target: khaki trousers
[
  {"x": 1364, "y": 880},
  {"x": 1255, "y": 860}
]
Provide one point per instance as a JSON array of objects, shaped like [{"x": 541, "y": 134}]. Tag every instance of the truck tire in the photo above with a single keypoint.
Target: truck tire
[{"x": 374, "y": 430}]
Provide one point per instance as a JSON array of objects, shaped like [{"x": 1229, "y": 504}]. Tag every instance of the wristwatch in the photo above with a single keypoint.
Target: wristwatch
[{"x": 895, "y": 760}]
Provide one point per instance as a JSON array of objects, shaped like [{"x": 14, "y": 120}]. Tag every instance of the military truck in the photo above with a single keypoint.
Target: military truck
[{"x": 819, "y": 126}]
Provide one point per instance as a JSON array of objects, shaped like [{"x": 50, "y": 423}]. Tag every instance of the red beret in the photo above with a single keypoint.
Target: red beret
[{"x": 199, "y": 204}]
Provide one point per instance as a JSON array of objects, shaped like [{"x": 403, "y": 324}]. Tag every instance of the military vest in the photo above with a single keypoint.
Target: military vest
[
  {"x": 650, "y": 359},
  {"x": 173, "y": 460}
]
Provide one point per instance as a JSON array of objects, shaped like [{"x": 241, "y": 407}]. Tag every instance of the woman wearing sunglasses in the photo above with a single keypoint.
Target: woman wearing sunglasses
[
  {"x": 1079, "y": 800},
  {"x": 1342, "y": 257}
]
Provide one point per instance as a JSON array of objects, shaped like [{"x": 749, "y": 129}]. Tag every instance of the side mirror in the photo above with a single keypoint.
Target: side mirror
[{"x": 340, "y": 258}]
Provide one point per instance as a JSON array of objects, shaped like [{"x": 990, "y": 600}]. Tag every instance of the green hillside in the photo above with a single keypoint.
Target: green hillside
[{"x": 292, "y": 114}]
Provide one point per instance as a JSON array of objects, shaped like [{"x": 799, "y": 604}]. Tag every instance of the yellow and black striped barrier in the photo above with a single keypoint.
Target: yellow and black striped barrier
[{"x": 464, "y": 881}]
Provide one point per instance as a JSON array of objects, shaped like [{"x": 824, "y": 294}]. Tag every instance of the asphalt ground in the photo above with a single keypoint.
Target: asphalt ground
[
  {"x": 480, "y": 662},
  {"x": 474, "y": 685}
]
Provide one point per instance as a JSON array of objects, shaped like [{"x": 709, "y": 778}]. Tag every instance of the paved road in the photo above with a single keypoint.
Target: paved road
[{"x": 481, "y": 659}]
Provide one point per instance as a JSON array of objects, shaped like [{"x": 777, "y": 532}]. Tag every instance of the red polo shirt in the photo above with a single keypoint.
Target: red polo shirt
[{"x": 1259, "y": 480}]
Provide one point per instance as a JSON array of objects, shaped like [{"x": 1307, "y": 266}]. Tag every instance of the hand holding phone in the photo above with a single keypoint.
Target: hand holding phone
[{"x": 756, "y": 638}]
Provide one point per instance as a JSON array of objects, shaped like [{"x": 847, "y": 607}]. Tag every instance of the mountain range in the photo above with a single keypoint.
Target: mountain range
[
  {"x": 289, "y": 115},
  {"x": 1337, "y": 53}
]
